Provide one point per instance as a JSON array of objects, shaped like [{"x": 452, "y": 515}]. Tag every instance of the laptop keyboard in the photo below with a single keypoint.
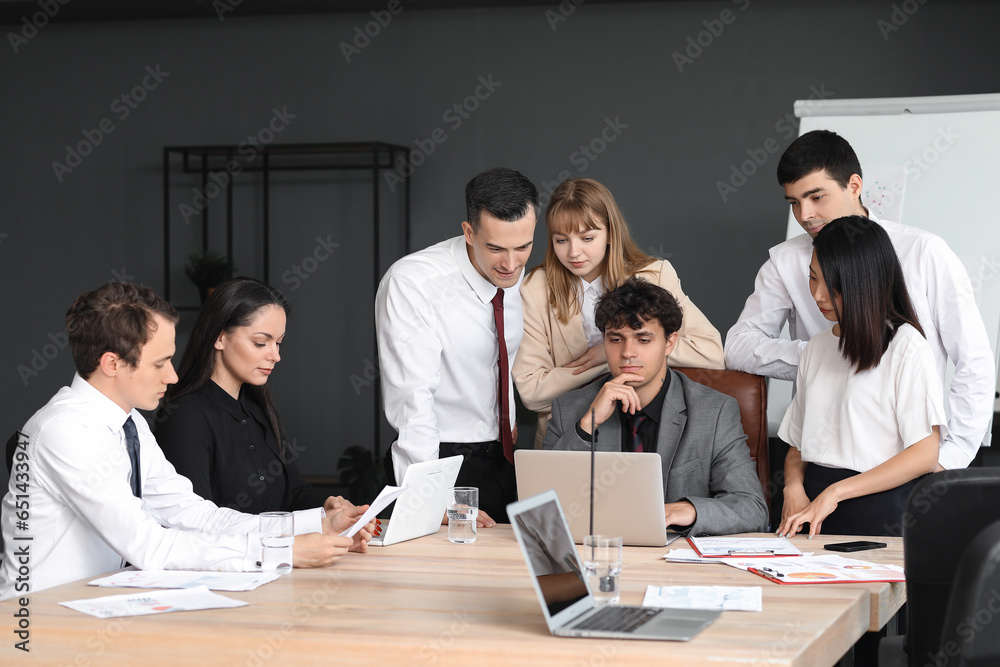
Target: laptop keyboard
[{"x": 613, "y": 618}]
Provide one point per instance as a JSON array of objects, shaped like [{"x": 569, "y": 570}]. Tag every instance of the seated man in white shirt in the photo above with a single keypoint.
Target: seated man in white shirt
[
  {"x": 821, "y": 176},
  {"x": 449, "y": 322},
  {"x": 90, "y": 488}
]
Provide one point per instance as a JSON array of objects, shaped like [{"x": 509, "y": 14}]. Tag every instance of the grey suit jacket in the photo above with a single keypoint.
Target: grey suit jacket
[{"x": 701, "y": 441}]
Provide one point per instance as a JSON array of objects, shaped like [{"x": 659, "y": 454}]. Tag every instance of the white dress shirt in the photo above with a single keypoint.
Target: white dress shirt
[
  {"x": 81, "y": 516},
  {"x": 942, "y": 295},
  {"x": 589, "y": 295},
  {"x": 438, "y": 351},
  {"x": 856, "y": 421}
]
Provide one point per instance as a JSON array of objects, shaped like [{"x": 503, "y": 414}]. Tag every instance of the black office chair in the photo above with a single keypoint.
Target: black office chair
[
  {"x": 9, "y": 452},
  {"x": 944, "y": 514},
  {"x": 971, "y": 635}
]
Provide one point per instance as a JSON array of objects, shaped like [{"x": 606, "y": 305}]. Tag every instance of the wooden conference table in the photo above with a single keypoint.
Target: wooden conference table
[{"x": 429, "y": 602}]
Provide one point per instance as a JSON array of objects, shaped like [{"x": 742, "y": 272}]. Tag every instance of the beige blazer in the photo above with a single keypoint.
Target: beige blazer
[{"x": 540, "y": 371}]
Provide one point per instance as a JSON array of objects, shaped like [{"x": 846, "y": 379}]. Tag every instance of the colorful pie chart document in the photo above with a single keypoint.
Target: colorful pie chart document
[
  {"x": 819, "y": 570},
  {"x": 153, "y": 602}
]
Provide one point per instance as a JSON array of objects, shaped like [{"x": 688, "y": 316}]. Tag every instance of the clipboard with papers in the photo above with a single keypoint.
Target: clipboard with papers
[
  {"x": 821, "y": 570},
  {"x": 743, "y": 547}
]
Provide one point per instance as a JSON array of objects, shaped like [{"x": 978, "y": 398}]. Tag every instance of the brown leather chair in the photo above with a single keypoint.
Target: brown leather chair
[{"x": 750, "y": 391}]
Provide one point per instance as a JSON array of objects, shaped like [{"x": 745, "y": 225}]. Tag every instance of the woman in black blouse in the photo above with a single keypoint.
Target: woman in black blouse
[{"x": 219, "y": 425}]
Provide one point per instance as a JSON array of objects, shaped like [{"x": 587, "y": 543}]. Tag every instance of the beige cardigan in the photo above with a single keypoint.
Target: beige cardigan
[{"x": 540, "y": 371}]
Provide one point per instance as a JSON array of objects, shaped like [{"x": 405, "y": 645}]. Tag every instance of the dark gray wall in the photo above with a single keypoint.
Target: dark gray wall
[{"x": 683, "y": 132}]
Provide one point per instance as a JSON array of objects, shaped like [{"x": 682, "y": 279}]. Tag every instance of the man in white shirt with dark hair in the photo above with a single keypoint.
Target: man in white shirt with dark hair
[
  {"x": 449, "y": 322},
  {"x": 821, "y": 176},
  {"x": 89, "y": 487}
]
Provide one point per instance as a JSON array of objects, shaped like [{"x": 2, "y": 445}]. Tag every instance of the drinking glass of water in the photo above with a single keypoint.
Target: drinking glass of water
[
  {"x": 463, "y": 508},
  {"x": 602, "y": 563},
  {"x": 277, "y": 533}
]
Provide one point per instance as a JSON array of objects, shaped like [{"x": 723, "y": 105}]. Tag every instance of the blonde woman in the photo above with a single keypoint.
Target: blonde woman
[{"x": 590, "y": 251}]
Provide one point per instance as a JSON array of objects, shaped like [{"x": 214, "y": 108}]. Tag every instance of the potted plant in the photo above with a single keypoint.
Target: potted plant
[{"x": 207, "y": 270}]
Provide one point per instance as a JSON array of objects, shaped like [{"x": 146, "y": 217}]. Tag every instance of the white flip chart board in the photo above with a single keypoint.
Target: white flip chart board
[{"x": 928, "y": 162}]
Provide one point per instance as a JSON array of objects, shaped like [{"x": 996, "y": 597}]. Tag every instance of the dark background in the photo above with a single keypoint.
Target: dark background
[{"x": 559, "y": 82}]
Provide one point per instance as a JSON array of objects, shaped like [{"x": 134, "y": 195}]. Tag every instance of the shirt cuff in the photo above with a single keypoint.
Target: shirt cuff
[
  {"x": 308, "y": 521},
  {"x": 953, "y": 456},
  {"x": 586, "y": 436},
  {"x": 251, "y": 562}
]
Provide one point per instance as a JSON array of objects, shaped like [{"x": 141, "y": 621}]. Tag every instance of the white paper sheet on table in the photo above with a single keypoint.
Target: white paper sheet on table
[
  {"x": 723, "y": 598},
  {"x": 691, "y": 556},
  {"x": 388, "y": 494},
  {"x": 216, "y": 581},
  {"x": 158, "y": 602}
]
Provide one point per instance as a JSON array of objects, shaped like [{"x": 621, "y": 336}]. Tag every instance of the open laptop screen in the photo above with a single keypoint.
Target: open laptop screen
[{"x": 551, "y": 556}]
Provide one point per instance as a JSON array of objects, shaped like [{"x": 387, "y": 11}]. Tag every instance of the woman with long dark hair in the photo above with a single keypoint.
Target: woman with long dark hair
[
  {"x": 590, "y": 252},
  {"x": 866, "y": 418},
  {"x": 219, "y": 425}
]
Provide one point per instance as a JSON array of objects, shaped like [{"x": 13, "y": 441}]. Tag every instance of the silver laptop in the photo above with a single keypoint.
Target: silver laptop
[
  {"x": 419, "y": 509},
  {"x": 628, "y": 492},
  {"x": 569, "y": 607}
]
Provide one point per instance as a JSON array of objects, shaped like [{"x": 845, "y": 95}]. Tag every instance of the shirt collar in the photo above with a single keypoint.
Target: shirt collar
[
  {"x": 654, "y": 409},
  {"x": 483, "y": 288},
  {"x": 596, "y": 286},
  {"x": 103, "y": 408},
  {"x": 221, "y": 398}
]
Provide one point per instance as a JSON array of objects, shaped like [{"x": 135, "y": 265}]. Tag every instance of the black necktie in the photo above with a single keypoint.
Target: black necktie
[{"x": 132, "y": 441}]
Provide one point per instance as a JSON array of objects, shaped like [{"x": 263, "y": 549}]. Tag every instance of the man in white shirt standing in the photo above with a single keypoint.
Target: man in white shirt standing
[
  {"x": 89, "y": 487},
  {"x": 449, "y": 322},
  {"x": 821, "y": 176}
]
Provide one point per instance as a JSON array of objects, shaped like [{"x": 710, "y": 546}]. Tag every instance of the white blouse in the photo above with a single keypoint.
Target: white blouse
[{"x": 843, "y": 419}]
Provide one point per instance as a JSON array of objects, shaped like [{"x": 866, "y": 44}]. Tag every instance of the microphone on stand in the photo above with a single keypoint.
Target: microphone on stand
[{"x": 593, "y": 447}]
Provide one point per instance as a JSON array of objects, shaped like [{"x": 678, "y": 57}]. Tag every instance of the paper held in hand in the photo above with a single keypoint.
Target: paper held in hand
[{"x": 388, "y": 494}]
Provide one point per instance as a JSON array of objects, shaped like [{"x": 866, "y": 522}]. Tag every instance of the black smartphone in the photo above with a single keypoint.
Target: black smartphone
[{"x": 860, "y": 545}]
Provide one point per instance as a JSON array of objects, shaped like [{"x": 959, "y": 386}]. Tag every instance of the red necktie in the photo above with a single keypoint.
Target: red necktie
[
  {"x": 635, "y": 423},
  {"x": 505, "y": 434}
]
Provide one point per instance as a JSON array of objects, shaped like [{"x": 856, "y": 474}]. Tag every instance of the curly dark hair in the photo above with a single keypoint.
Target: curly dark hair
[{"x": 635, "y": 302}]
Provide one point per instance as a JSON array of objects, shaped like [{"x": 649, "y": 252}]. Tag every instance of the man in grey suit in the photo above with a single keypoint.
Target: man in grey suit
[{"x": 709, "y": 481}]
